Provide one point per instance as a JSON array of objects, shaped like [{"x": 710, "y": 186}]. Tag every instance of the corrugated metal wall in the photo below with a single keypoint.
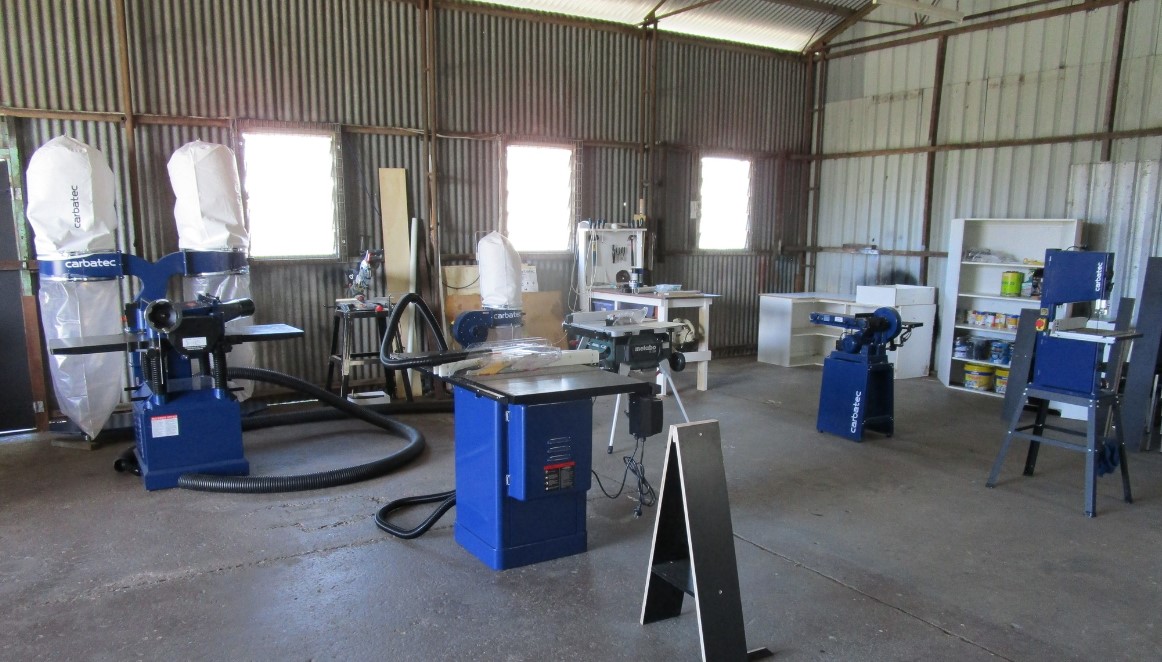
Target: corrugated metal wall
[
  {"x": 1031, "y": 80},
  {"x": 723, "y": 101},
  {"x": 357, "y": 63},
  {"x": 522, "y": 78}
]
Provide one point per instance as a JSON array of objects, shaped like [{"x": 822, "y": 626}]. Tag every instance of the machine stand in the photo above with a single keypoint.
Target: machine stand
[
  {"x": 857, "y": 395},
  {"x": 693, "y": 530},
  {"x": 664, "y": 369},
  {"x": 522, "y": 472},
  {"x": 1093, "y": 446},
  {"x": 199, "y": 432}
]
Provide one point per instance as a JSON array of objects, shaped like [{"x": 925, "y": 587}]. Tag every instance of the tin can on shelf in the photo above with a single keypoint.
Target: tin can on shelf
[
  {"x": 1011, "y": 322},
  {"x": 1011, "y": 283}
]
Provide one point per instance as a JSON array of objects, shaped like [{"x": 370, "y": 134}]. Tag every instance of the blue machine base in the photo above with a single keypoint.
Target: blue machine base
[
  {"x": 857, "y": 395},
  {"x": 197, "y": 431},
  {"x": 514, "y": 557},
  {"x": 522, "y": 472}
]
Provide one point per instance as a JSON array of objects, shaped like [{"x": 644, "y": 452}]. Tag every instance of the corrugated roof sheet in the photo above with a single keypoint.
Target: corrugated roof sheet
[{"x": 788, "y": 25}]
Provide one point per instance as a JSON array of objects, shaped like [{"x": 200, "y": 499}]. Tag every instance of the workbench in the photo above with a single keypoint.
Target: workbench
[{"x": 663, "y": 303}]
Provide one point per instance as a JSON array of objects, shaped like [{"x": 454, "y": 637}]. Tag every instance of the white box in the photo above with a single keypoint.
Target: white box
[{"x": 894, "y": 295}]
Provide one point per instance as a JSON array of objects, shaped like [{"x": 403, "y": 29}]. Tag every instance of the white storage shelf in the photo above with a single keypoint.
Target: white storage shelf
[
  {"x": 971, "y": 285},
  {"x": 788, "y": 338}
]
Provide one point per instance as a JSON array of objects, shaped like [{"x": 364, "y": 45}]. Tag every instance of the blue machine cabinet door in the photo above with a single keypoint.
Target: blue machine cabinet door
[{"x": 521, "y": 483}]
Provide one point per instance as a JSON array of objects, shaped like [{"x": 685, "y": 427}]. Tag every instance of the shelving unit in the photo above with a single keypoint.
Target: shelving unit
[
  {"x": 977, "y": 285},
  {"x": 788, "y": 338}
]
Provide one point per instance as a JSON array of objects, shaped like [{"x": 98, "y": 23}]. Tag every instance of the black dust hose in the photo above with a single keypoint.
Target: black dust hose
[
  {"x": 446, "y": 499},
  {"x": 322, "y": 479},
  {"x": 398, "y": 362}
]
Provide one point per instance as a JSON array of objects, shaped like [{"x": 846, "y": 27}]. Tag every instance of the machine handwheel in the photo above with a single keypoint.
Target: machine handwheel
[{"x": 677, "y": 361}]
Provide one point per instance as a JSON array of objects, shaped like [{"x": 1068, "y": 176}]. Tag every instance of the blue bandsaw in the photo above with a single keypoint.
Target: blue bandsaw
[
  {"x": 185, "y": 420},
  {"x": 857, "y": 392}
]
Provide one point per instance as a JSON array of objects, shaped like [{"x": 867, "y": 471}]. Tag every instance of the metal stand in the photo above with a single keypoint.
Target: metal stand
[
  {"x": 343, "y": 345},
  {"x": 664, "y": 369},
  {"x": 693, "y": 545},
  {"x": 1095, "y": 407}
]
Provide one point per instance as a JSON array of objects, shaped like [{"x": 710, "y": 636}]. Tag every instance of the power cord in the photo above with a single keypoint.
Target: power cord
[{"x": 646, "y": 496}]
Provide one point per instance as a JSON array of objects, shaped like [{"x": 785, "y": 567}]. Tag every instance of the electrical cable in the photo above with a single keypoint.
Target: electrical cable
[{"x": 646, "y": 495}]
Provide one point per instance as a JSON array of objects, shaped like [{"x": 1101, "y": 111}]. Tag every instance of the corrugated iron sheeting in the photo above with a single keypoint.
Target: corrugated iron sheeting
[
  {"x": 520, "y": 77},
  {"x": 1141, "y": 83},
  {"x": 610, "y": 183},
  {"x": 301, "y": 294},
  {"x": 59, "y": 55},
  {"x": 469, "y": 192},
  {"x": 756, "y": 22},
  {"x": 1044, "y": 78},
  {"x": 350, "y": 61},
  {"x": 842, "y": 272},
  {"x": 730, "y": 100},
  {"x": 739, "y": 279},
  {"x": 364, "y": 155}
]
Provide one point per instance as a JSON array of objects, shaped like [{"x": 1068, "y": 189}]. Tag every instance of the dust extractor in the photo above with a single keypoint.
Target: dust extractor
[
  {"x": 72, "y": 212},
  {"x": 208, "y": 211}
]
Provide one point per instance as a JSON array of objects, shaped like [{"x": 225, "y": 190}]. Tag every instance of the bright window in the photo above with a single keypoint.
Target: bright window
[
  {"x": 725, "y": 206},
  {"x": 290, "y": 194},
  {"x": 540, "y": 197}
]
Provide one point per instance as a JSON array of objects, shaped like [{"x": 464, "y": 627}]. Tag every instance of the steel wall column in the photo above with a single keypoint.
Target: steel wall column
[{"x": 930, "y": 166}]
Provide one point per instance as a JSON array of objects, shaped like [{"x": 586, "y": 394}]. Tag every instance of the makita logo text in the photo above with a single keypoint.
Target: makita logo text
[
  {"x": 75, "y": 198},
  {"x": 855, "y": 412},
  {"x": 89, "y": 264},
  {"x": 645, "y": 349}
]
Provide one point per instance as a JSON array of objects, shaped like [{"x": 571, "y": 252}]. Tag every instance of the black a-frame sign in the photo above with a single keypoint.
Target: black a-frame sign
[{"x": 693, "y": 548}]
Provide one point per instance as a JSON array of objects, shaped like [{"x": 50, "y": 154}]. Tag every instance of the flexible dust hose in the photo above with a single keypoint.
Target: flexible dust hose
[{"x": 322, "y": 479}]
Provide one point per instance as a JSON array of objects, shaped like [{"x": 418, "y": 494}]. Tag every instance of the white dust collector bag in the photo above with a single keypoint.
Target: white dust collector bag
[
  {"x": 499, "y": 272},
  {"x": 71, "y": 210},
  {"x": 70, "y": 199},
  {"x": 208, "y": 211},
  {"x": 88, "y": 386}
]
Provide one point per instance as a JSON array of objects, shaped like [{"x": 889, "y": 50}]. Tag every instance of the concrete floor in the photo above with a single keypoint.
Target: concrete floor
[{"x": 888, "y": 550}]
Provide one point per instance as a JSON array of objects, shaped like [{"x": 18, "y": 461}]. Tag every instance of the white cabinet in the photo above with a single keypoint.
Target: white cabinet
[
  {"x": 976, "y": 285},
  {"x": 788, "y": 338}
]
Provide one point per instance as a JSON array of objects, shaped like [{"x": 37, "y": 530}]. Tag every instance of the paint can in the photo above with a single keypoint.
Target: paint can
[
  {"x": 1000, "y": 352},
  {"x": 1011, "y": 283},
  {"x": 1012, "y": 321},
  {"x": 1001, "y": 380},
  {"x": 978, "y": 377},
  {"x": 961, "y": 348}
]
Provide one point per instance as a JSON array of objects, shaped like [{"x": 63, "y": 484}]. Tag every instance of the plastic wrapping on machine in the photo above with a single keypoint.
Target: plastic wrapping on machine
[
  {"x": 208, "y": 210},
  {"x": 70, "y": 197},
  {"x": 499, "y": 272},
  {"x": 87, "y": 386}
]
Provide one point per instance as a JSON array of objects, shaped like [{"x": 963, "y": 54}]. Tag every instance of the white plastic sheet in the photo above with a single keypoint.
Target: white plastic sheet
[
  {"x": 499, "y": 272},
  {"x": 208, "y": 210},
  {"x": 70, "y": 199}
]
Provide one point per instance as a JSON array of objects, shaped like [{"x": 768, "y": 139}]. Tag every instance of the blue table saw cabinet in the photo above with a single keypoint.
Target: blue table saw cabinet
[{"x": 522, "y": 471}]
